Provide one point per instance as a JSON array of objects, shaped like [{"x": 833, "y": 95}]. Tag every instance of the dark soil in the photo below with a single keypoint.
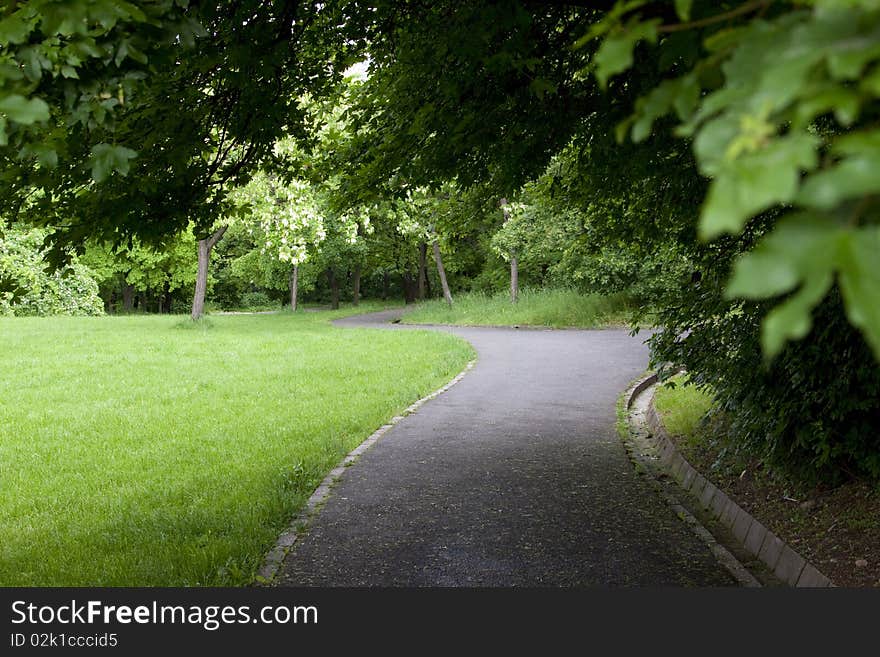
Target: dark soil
[{"x": 836, "y": 529}]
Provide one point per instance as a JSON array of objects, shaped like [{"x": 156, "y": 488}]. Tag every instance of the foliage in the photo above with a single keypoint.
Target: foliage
[
  {"x": 781, "y": 107},
  {"x": 557, "y": 308},
  {"x": 256, "y": 301},
  {"x": 161, "y": 269},
  {"x": 811, "y": 411},
  {"x": 186, "y": 98},
  {"x": 713, "y": 162},
  {"x": 468, "y": 92},
  {"x": 27, "y": 288},
  {"x": 289, "y": 218}
]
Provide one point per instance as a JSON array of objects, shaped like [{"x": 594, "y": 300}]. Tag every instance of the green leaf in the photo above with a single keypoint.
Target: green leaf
[
  {"x": 848, "y": 62},
  {"x": 615, "y": 55},
  {"x": 799, "y": 245},
  {"x": 854, "y": 177},
  {"x": 45, "y": 155},
  {"x": 64, "y": 18},
  {"x": 711, "y": 143},
  {"x": 860, "y": 283},
  {"x": 802, "y": 255},
  {"x": 761, "y": 274},
  {"x": 105, "y": 159},
  {"x": 844, "y": 103},
  {"x": 541, "y": 87},
  {"x": 24, "y": 110},
  {"x": 621, "y": 130},
  {"x": 683, "y": 9},
  {"x": 681, "y": 94},
  {"x": 792, "y": 320},
  {"x": 15, "y": 29},
  {"x": 756, "y": 182}
]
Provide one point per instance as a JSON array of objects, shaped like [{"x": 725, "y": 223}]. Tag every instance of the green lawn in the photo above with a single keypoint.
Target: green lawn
[
  {"x": 681, "y": 407},
  {"x": 145, "y": 450},
  {"x": 550, "y": 308}
]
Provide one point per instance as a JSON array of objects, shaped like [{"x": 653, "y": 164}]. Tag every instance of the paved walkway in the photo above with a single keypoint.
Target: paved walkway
[{"x": 514, "y": 477}]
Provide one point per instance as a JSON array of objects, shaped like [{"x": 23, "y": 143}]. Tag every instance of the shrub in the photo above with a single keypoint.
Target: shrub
[{"x": 27, "y": 287}]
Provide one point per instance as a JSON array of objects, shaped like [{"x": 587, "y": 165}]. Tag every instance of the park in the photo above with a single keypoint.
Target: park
[{"x": 238, "y": 240}]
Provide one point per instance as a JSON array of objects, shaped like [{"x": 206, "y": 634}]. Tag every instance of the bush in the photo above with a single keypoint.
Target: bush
[
  {"x": 812, "y": 412},
  {"x": 257, "y": 301},
  {"x": 28, "y": 288}
]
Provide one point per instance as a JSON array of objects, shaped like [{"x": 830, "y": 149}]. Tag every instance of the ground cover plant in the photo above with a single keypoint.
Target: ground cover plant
[{"x": 151, "y": 450}]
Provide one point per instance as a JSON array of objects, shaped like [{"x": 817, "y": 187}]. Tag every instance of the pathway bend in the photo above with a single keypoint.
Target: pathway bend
[{"x": 513, "y": 477}]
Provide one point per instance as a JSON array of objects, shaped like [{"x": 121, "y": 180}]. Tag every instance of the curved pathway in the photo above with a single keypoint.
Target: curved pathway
[{"x": 513, "y": 477}]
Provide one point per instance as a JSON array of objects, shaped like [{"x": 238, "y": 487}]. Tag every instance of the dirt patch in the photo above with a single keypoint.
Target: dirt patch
[{"x": 836, "y": 529}]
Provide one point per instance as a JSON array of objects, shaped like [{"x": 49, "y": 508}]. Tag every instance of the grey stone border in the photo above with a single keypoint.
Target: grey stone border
[
  {"x": 782, "y": 560},
  {"x": 275, "y": 558}
]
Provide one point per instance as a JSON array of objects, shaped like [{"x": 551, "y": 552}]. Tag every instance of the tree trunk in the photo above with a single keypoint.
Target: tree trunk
[
  {"x": 447, "y": 295},
  {"x": 514, "y": 264},
  {"x": 423, "y": 269},
  {"x": 386, "y": 284},
  {"x": 514, "y": 278},
  {"x": 356, "y": 285},
  {"x": 408, "y": 287},
  {"x": 127, "y": 298},
  {"x": 205, "y": 246},
  {"x": 294, "y": 287},
  {"x": 334, "y": 288}
]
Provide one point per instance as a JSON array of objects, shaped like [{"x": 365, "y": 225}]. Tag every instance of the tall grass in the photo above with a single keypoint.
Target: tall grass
[
  {"x": 682, "y": 406},
  {"x": 543, "y": 307},
  {"x": 149, "y": 450}
]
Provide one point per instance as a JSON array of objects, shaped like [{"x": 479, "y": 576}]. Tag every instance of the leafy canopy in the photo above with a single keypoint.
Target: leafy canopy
[{"x": 780, "y": 102}]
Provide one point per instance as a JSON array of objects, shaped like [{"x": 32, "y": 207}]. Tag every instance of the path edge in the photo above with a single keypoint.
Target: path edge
[
  {"x": 274, "y": 559},
  {"x": 779, "y": 557}
]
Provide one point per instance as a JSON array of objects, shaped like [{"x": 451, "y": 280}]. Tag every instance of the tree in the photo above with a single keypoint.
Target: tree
[
  {"x": 186, "y": 98},
  {"x": 127, "y": 269},
  {"x": 419, "y": 214},
  {"x": 290, "y": 221},
  {"x": 204, "y": 246},
  {"x": 469, "y": 92},
  {"x": 508, "y": 241}
]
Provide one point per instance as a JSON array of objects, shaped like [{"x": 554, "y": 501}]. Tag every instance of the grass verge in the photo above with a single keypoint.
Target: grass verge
[
  {"x": 682, "y": 406},
  {"x": 150, "y": 450},
  {"x": 548, "y": 308},
  {"x": 836, "y": 529}
]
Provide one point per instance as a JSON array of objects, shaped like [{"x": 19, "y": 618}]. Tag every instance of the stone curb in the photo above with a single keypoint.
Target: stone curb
[
  {"x": 783, "y": 561},
  {"x": 275, "y": 558}
]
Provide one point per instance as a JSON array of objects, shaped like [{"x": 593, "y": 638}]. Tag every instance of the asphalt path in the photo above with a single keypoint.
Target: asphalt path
[{"x": 513, "y": 477}]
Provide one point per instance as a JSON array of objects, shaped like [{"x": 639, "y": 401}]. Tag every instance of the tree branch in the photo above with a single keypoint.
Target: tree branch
[
  {"x": 718, "y": 18},
  {"x": 216, "y": 236}
]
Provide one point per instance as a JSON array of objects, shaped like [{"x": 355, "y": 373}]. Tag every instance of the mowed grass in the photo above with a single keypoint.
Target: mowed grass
[
  {"x": 682, "y": 407},
  {"x": 150, "y": 451},
  {"x": 548, "y": 308}
]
